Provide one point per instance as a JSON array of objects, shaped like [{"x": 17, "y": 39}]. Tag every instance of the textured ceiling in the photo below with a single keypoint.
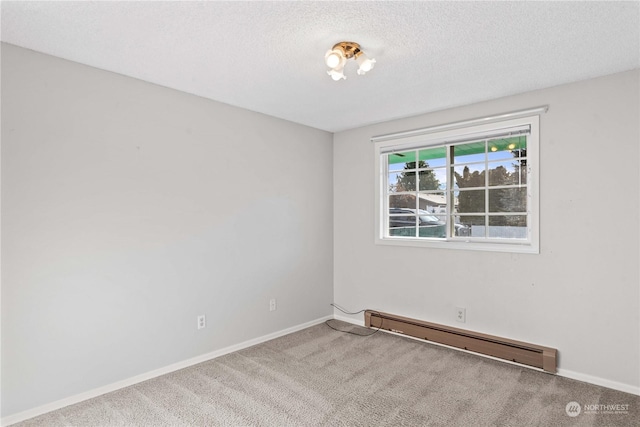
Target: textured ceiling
[{"x": 269, "y": 56}]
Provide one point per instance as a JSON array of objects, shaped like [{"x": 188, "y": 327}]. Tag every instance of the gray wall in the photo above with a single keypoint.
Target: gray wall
[
  {"x": 579, "y": 295},
  {"x": 128, "y": 209}
]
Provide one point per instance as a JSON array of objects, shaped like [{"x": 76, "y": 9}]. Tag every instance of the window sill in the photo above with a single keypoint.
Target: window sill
[{"x": 461, "y": 244}]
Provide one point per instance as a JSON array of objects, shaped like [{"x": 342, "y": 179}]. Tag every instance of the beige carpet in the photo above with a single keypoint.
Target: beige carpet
[{"x": 321, "y": 377}]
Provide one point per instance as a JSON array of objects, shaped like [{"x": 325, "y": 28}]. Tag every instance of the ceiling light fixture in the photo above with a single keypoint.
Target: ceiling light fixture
[{"x": 336, "y": 59}]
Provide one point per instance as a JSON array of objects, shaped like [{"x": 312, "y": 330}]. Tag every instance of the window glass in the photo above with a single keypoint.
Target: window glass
[{"x": 448, "y": 187}]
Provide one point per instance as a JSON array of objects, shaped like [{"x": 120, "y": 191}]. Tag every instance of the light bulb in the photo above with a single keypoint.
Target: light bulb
[
  {"x": 337, "y": 74},
  {"x": 333, "y": 58},
  {"x": 365, "y": 64}
]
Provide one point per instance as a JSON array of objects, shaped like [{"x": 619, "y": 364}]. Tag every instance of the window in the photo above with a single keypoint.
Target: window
[{"x": 470, "y": 186}]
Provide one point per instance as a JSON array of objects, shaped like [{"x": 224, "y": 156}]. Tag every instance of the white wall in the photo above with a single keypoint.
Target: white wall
[
  {"x": 579, "y": 295},
  {"x": 128, "y": 209}
]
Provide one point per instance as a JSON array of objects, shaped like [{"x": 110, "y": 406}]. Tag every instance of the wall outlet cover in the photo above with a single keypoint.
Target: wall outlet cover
[{"x": 202, "y": 321}]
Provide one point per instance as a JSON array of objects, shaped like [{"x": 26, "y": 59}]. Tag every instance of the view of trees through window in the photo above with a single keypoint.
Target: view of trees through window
[{"x": 480, "y": 187}]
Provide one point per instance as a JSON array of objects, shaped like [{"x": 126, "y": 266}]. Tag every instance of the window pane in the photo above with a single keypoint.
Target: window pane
[
  {"x": 402, "y": 201},
  {"x": 460, "y": 229},
  {"x": 499, "y": 174},
  {"x": 433, "y": 203},
  {"x": 433, "y": 230},
  {"x": 406, "y": 181},
  {"x": 471, "y": 152},
  {"x": 508, "y": 227},
  {"x": 508, "y": 200},
  {"x": 505, "y": 173},
  {"x": 428, "y": 180},
  {"x": 441, "y": 176},
  {"x": 472, "y": 219},
  {"x": 474, "y": 225},
  {"x": 402, "y": 226},
  {"x": 402, "y": 221},
  {"x": 395, "y": 167},
  {"x": 392, "y": 183},
  {"x": 471, "y": 201},
  {"x": 520, "y": 174},
  {"x": 469, "y": 176},
  {"x": 507, "y": 148},
  {"x": 398, "y": 161},
  {"x": 431, "y": 225},
  {"x": 434, "y": 157}
]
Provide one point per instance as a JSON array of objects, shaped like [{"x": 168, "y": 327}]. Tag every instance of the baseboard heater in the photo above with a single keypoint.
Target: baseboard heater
[{"x": 502, "y": 348}]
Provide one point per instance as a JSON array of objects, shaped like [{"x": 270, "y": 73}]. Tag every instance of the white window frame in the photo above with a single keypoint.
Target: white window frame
[{"x": 452, "y": 133}]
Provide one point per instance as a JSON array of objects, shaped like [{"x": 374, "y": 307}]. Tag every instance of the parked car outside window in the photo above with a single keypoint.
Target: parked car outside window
[{"x": 402, "y": 222}]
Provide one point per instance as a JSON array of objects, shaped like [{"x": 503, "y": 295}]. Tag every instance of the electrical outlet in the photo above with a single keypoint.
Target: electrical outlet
[
  {"x": 461, "y": 314},
  {"x": 272, "y": 304},
  {"x": 202, "y": 321}
]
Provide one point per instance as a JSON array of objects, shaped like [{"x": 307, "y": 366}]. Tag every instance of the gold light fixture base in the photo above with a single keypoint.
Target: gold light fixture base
[
  {"x": 350, "y": 49},
  {"x": 340, "y": 53}
]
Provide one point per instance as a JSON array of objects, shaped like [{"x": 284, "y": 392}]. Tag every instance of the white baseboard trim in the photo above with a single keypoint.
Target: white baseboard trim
[
  {"x": 348, "y": 320},
  {"x": 40, "y": 410},
  {"x": 627, "y": 388}
]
